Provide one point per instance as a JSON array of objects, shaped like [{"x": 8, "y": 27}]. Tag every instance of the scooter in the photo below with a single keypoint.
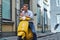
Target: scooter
[{"x": 23, "y": 31}]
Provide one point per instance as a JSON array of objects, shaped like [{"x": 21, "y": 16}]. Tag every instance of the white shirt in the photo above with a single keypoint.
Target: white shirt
[{"x": 28, "y": 13}]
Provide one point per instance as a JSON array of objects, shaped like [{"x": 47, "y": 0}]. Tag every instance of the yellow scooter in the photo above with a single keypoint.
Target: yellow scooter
[{"x": 23, "y": 31}]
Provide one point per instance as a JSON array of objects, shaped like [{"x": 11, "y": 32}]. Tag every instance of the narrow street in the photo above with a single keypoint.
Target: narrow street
[
  {"x": 51, "y": 36},
  {"x": 44, "y": 13}
]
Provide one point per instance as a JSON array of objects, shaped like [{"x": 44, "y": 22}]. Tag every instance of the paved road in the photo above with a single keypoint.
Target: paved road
[
  {"x": 55, "y": 36},
  {"x": 10, "y": 38}
]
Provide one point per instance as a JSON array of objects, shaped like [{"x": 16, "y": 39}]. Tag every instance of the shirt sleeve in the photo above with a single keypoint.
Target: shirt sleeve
[
  {"x": 31, "y": 15},
  {"x": 21, "y": 13}
]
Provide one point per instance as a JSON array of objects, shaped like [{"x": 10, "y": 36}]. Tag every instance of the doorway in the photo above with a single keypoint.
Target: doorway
[{"x": 22, "y": 2}]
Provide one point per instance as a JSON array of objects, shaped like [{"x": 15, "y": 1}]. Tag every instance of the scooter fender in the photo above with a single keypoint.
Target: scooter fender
[{"x": 22, "y": 28}]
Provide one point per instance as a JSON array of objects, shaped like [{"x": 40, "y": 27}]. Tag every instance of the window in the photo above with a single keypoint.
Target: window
[
  {"x": 21, "y": 3},
  {"x": 6, "y": 9},
  {"x": 58, "y": 22},
  {"x": 38, "y": 15},
  {"x": 45, "y": 17},
  {"x": 58, "y": 2},
  {"x": 58, "y": 18},
  {"x": 26, "y": 1}
]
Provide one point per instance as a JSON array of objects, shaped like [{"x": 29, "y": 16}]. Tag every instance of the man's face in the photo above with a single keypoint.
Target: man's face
[{"x": 25, "y": 8}]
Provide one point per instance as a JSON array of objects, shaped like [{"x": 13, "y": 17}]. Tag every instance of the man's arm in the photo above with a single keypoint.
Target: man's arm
[
  {"x": 21, "y": 14},
  {"x": 30, "y": 15}
]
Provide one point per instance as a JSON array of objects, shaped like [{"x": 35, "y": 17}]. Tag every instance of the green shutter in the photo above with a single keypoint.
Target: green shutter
[
  {"x": 6, "y": 9},
  {"x": 26, "y": 1}
]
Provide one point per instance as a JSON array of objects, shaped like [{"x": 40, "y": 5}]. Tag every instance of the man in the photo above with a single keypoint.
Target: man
[{"x": 29, "y": 14}]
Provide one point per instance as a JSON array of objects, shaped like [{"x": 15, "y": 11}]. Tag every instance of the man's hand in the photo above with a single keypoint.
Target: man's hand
[
  {"x": 27, "y": 16},
  {"x": 21, "y": 14},
  {"x": 21, "y": 9}
]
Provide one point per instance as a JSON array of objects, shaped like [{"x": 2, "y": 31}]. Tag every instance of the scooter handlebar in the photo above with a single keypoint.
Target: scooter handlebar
[{"x": 24, "y": 18}]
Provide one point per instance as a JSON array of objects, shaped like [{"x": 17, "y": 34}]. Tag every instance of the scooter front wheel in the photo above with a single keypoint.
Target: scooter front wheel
[{"x": 20, "y": 38}]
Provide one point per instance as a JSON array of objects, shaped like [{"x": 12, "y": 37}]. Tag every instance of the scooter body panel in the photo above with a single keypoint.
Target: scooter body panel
[
  {"x": 24, "y": 30},
  {"x": 23, "y": 26}
]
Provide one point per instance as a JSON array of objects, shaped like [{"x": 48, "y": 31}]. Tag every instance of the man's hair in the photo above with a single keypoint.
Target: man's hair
[{"x": 25, "y": 5}]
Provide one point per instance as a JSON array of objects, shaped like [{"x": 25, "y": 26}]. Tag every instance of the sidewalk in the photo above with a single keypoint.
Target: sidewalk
[
  {"x": 39, "y": 35},
  {"x": 9, "y": 38}
]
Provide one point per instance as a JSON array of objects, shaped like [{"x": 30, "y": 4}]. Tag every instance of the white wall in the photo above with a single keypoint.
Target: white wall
[{"x": 54, "y": 11}]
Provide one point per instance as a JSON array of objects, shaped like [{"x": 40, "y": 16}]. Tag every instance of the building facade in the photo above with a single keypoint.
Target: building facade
[
  {"x": 10, "y": 11},
  {"x": 46, "y": 8},
  {"x": 8, "y": 18},
  {"x": 44, "y": 15},
  {"x": 55, "y": 14}
]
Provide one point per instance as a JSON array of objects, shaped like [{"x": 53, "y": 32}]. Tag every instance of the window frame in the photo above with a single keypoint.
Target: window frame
[
  {"x": 10, "y": 12},
  {"x": 45, "y": 17},
  {"x": 39, "y": 11},
  {"x": 57, "y": 17},
  {"x": 57, "y": 3}
]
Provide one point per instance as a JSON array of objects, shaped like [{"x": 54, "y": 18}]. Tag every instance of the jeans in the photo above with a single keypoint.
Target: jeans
[{"x": 31, "y": 25}]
